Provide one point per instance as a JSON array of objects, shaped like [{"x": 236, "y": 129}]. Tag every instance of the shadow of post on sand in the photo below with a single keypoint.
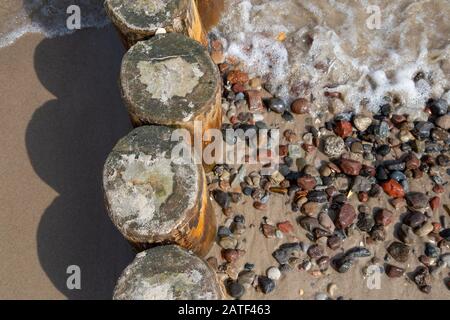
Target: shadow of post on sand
[{"x": 68, "y": 140}]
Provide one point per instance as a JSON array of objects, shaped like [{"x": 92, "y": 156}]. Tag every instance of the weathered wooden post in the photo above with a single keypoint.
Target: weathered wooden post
[
  {"x": 167, "y": 273},
  {"x": 138, "y": 20},
  {"x": 156, "y": 197},
  {"x": 171, "y": 80}
]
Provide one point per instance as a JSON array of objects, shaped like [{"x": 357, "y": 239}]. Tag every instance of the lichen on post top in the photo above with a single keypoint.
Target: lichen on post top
[
  {"x": 147, "y": 191},
  {"x": 169, "y": 72},
  {"x": 167, "y": 273}
]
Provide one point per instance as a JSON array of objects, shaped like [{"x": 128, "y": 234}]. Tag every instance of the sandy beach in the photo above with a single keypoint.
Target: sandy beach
[{"x": 61, "y": 115}]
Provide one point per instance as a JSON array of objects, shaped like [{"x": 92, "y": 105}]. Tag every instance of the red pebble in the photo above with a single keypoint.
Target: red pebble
[
  {"x": 343, "y": 129},
  {"x": 435, "y": 203},
  {"x": 350, "y": 167},
  {"x": 237, "y": 87},
  {"x": 285, "y": 227},
  {"x": 384, "y": 217},
  {"x": 363, "y": 196},
  {"x": 438, "y": 188},
  {"x": 393, "y": 188}
]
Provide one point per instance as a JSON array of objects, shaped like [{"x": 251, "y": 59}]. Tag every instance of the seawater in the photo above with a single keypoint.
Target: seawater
[
  {"x": 18, "y": 17},
  {"x": 303, "y": 48}
]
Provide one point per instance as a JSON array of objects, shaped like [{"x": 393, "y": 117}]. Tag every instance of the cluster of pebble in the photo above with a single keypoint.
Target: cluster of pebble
[{"x": 330, "y": 174}]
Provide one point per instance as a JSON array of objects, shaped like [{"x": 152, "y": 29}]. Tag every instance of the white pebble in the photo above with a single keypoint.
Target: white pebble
[
  {"x": 321, "y": 296},
  {"x": 273, "y": 273},
  {"x": 160, "y": 31}
]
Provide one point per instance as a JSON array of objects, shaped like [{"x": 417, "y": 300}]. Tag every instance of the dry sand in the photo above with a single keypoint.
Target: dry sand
[
  {"x": 298, "y": 284},
  {"x": 61, "y": 113}
]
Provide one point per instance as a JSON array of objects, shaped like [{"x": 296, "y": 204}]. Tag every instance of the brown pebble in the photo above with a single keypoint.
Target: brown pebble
[
  {"x": 300, "y": 106},
  {"x": 394, "y": 272},
  {"x": 259, "y": 206}
]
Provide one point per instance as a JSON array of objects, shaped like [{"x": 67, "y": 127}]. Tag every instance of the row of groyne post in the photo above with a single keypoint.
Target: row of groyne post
[{"x": 160, "y": 203}]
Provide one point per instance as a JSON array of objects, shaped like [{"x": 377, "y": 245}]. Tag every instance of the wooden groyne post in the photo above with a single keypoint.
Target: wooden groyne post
[
  {"x": 141, "y": 19},
  {"x": 167, "y": 273},
  {"x": 155, "y": 197}
]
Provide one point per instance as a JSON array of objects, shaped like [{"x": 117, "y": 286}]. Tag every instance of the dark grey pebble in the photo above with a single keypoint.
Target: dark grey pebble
[
  {"x": 438, "y": 107},
  {"x": 222, "y": 198},
  {"x": 235, "y": 289},
  {"x": 277, "y": 105},
  {"x": 358, "y": 252},
  {"x": 344, "y": 264},
  {"x": 266, "y": 284},
  {"x": 287, "y": 116}
]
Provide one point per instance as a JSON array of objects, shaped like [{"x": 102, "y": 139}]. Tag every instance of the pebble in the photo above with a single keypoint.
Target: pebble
[
  {"x": 417, "y": 200},
  {"x": 311, "y": 208},
  {"x": 350, "y": 167},
  {"x": 394, "y": 272},
  {"x": 425, "y": 229},
  {"x": 422, "y": 279},
  {"x": 383, "y": 150},
  {"x": 378, "y": 233},
  {"x": 384, "y": 217},
  {"x": 317, "y": 196},
  {"x": 326, "y": 222},
  {"x": 273, "y": 273},
  {"x": 266, "y": 284},
  {"x": 306, "y": 182},
  {"x": 315, "y": 251},
  {"x": 414, "y": 219},
  {"x": 382, "y": 130},
  {"x": 285, "y": 226},
  {"x": 277, "y": 105},
  {"x": 334, "y": 242},
  {"x": 357, "y": 252},
  {"x": 235, "y": 289},
  {"x": 445, "y": 234},
  {"x": 228, "y": 243},
  {"x": 365, "y": 222},
  {"x": 246, "y": 278},
  {"x": 346, "y": 216},
  {"x": 432, "y": 251},
  {"x": 300, "y": 106},
  {"x": 268, "y": 230},
  {"x": 399, "y": 251},
  {"x": 343, "y": 129},
  {"x": 223, "y": 199},
  {"x": 443, "y": 122},
  {"x": 334, "y": 146},
  {"x": 344, "y": 264},
  {"x": 287, "y": 116},
  {"x": 286, "y": 251},
  {"x": 393, "y": 188},
  {"x": 321, "y": 296},
  {"x": 361, "y": 184},
  {"x": 406, "y": 234},
  {"x": 362, "y": 122},
  {"x": 237, "y": 76},
  {"x": 331, "y": 289},
  {"x": 439, "y": 107},
  {"x": 423, "y": 129},
  {"x": 398, "y": 176},
  {"x": 309, "y": 223}
]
